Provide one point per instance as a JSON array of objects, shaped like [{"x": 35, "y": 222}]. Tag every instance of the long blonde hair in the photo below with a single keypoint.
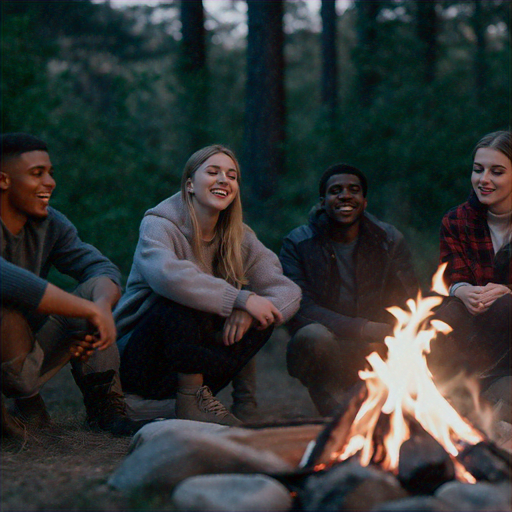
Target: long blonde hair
[{"x": 230, "y": 228}]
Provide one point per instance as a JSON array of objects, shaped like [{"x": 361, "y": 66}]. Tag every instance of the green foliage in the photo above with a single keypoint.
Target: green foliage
[{"x": 103, "y": 87}]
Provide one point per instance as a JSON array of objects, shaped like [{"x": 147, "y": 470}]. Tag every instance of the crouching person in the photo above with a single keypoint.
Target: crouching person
[
  {"x": 42, "y": 326},
  {"x": 202, "y": 297},
  {"x": 350, "y": 267}
]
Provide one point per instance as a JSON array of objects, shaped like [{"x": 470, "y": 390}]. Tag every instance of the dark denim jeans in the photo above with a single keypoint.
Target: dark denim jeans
[
  {"x": 481, "y": 343},
  {"x": 173, "y": 339}
]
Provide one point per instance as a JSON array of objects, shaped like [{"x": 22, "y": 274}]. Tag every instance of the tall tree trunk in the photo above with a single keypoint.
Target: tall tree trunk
[
  {"x": 193, "y": 75},
  {"x": 265, "y": 98},
  {"x": 369, "y": 78},
  {"x": 480, "y": 64},
  {"x": 427, "y": 27},
  {"x": 329, "y": 58},
  {"x": 193, "y": 47}
]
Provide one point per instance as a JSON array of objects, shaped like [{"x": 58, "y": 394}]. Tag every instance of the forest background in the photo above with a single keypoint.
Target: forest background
[{"x": 402, "y": 89}]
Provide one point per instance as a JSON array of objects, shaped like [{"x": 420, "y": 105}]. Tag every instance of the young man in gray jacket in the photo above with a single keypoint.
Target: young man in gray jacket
[
  {"x": 350, "y": 267},
  {"x": 42, "y": 327}
]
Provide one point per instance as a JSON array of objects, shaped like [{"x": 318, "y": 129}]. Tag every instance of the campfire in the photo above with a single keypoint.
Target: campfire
[
  {"x": 395, "y": 440},
  {"x": 399, "y": 403}
]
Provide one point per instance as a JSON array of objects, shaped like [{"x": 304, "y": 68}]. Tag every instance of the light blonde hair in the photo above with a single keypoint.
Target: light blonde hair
[{"x": 230, "y": 228}]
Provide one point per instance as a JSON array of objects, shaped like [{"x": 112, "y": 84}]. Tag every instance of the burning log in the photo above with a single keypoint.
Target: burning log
[
  {"x": 485, "y": 461},
  {"x": 424, "y": 465},
  {"x": 334, "y": 436},
  {"x": 397, "y": 399}
]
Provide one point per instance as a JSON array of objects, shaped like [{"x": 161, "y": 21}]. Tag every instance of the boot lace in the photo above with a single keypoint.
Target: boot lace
[
  {"x": 114, "y": 404},
  {"x": 208, "y": 403}
]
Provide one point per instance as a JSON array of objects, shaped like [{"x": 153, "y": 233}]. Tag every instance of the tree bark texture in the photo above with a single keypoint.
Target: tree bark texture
[
  {"x": 265, "y": 98},
  {"x": 480, "y": 65},
  {"x": 329, "y": 58},
  {"x": 367, "y": 30},
  {"x": 427, "y": 26},
  {"x": 193, "y": 75},
  {"x": 193, "y": 46}
]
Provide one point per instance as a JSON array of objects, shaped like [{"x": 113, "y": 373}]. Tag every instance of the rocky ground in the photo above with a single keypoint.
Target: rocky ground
[{"x": 68, "y": 467}]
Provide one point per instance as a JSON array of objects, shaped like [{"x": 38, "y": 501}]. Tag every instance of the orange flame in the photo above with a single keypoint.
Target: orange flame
[{"x": 402, "y": 385}]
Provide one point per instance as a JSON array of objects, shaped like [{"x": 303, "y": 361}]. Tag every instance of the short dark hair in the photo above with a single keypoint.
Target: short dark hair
[
  {"x": 342, "y": 169},
  {"x": 15, "y": 144}
]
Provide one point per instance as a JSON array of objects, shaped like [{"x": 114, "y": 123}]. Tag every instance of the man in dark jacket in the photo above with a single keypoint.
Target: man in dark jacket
[
  {"x": 350, "y": 267},
  {"x": 41, "y": 325}
]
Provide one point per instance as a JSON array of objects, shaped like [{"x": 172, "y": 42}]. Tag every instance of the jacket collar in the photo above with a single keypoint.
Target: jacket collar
[{"x": 323, "y": 227}]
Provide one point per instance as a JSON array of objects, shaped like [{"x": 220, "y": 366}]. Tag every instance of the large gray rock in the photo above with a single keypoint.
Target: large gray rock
[
  {"x": 231, "y": 493},
  {"x": 482, "y": 496},
  {"x": 414, "y": 504},
  {"x": 349, "y": 487},
  {"x": 164, "y": 453}
]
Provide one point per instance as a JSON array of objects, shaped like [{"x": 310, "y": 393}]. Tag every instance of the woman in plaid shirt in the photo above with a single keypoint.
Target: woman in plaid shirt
[{"x": 475, "y": 241}]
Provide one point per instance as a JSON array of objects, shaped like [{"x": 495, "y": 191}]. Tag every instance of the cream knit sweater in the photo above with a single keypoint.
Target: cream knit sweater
[{"x": 164, "y": 265}]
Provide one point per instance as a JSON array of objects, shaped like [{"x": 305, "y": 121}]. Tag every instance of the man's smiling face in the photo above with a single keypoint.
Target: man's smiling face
[
  {"x": 27, "y": 184},
  {"x": 344, "y": 201}
]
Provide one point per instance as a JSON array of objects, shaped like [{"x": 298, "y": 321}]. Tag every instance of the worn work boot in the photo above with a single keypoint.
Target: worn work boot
[
  {"x": 245, "y": 406},
  {"x": 12, "y": 428},
  {"x": 32, "y": 411},
  {"x": 201, "y": 405},
  {"x": 105, "y": 407}
]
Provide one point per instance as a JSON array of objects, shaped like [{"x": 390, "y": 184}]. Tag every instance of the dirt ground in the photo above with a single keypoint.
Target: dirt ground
[{"x": 68, "y": 468}]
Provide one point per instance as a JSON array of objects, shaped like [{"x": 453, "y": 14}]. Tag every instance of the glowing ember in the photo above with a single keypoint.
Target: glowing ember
[{"x": 402, "y": 387}]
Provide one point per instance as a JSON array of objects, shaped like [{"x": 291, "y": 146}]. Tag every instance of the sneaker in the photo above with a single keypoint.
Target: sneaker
[
  {"x": 32, "y": 411},
  {"x": 201, "y": 405}
]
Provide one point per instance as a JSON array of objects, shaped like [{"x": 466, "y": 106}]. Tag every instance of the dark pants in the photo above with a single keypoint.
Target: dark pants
[
  {"x": 479, "y": 344},
  {"x": 173, "y": 339},
  {"x": 326, "y": 365}
]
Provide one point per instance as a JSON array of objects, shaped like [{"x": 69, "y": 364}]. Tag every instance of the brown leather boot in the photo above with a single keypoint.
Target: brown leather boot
[
  {"x": 105, "y": 407},
  {"x": 12, "y": 428},
  {"x": 32, "y": 411}
]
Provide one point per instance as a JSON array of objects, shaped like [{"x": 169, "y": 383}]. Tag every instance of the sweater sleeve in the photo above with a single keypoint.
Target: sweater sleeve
[
  {"x": 78, "y": 259},
  {"x": 174, "y": 276},
  {"x": 266, "y": 278},
  {"x": 20, "y": 287}
]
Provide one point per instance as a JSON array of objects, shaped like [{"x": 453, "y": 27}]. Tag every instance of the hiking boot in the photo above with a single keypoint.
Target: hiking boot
[
  {"x": 32, "y": 411},
  {"x": 245, "y": 406},
  {"x": 105, "y": 407},
  {"x": 201, "y": 405},
  {"x": 12, "y": 428},
  {"x": 245, "y": 409}
]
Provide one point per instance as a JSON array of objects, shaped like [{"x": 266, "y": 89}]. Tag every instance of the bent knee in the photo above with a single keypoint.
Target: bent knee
[
  {"x": 309, "y": 347},
  {"x": 17, "y": 385},
  {"x": 21, "y": 376}
]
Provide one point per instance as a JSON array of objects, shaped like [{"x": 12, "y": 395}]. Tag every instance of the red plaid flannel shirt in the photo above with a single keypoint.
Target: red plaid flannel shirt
[{"x": 465, "y": 243}]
